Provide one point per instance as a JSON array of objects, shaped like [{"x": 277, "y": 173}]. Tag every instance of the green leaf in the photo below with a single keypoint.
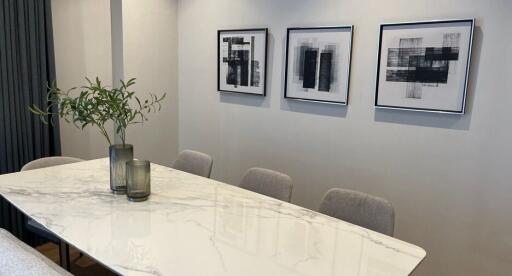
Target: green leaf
[{"x": 96, "y": 105}]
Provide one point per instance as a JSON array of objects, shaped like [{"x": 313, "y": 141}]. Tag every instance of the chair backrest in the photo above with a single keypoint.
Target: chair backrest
[
  {"x": 362, "y": 209},
  {"x": 49, "y": 162},
  {"x": 267, "y": 182},
  {"x": 194, "y": 162}
]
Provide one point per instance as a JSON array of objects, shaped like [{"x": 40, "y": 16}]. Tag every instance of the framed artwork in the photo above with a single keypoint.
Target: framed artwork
[
  {"x": 242, "y": 61},
  {"x": 318, "y": 64},
  {"x": 424, "y": 66}
]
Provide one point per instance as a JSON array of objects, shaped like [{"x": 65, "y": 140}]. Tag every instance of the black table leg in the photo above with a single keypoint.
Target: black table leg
[{"x": 64, "y": 255}]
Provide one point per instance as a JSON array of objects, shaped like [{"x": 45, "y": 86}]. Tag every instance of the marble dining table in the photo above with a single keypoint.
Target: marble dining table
[{"x": 197, "y": 226}]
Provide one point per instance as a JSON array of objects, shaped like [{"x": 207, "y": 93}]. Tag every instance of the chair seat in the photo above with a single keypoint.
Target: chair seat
[
  {"x": 37, "y": 228},
  {"x": 19, "y": 259}
]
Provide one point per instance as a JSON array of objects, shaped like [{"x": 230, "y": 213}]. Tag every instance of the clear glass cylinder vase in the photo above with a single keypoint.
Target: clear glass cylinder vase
[
  {"x": 119, "y": 155},
  {"x": 138, "y": 180}
]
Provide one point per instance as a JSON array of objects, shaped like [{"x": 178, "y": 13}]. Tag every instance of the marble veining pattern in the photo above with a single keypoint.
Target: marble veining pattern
[{"x": 197, "y": 226}]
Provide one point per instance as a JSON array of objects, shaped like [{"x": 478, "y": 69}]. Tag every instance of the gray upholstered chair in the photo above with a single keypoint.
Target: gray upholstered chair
[
  {"x": 45, "y": 162},
  {"x": 16, "y": 258},
  {"x": 49, "y": 162},
  {"x": 362, "y": 209},
  {"x": 194, "y": 162},
  {"x": 267, "y": 182}
]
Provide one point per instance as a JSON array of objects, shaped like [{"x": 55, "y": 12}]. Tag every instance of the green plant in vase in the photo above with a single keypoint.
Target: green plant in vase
[{"x": 96, "y": 105}]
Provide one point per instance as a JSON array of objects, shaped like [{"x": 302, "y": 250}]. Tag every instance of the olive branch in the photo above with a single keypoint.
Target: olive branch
[{"x": 96, "y": 105}]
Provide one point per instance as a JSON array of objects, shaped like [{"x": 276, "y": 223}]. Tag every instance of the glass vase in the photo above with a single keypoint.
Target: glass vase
[
  {"x": 119, "y": 155},
  {"x": 138, "y": 180}
]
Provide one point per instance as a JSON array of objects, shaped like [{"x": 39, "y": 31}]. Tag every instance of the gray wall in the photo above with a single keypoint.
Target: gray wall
[
  {"x": 447, "y": 175},
  {"x": 151, "y": 55},
  {"x": 82, "y": 31},
  {"x": 82, "y": 48}
]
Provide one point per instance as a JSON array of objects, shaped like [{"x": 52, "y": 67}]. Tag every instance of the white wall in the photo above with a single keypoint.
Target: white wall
[
  {"x": 447, "y": 175},
  {"x": 151, "y": 55},
  {"x": 82, "y": 31},
  {"x": 82, "y": 42}
]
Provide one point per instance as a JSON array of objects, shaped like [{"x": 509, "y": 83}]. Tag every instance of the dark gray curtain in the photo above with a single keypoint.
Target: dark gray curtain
[{"x": 27, "y": 66}]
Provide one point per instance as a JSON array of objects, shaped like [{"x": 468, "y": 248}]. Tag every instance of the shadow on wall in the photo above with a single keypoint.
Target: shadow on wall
[
  {"x": 302, "y": 106},
  {"x": 440, "y": 120},
  {"x": 244, "y": 99},
  {"x": 333, "y": 110}
]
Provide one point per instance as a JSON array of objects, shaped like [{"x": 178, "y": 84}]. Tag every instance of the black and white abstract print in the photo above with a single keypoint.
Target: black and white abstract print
[
  {"x": 318, "y": 63},
  {"x": 315, "y": 66},
  {"x": 424, "y": 66},
  {"x": 243, "y": 69},
  {"x": 242, "y": 61}
]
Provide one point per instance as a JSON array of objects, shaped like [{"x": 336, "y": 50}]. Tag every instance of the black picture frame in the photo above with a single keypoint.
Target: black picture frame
[
  {"x": 219, "y": 33},
  {"x": 460, "y": 111},
  {"x": 347, "y": 92}
]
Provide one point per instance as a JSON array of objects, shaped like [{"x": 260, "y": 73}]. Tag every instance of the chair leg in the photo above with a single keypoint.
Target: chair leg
[
  {"x": 68, "y": 257},
  {"x": 61, "y": 260},
  {"x": 64, "y": 256}
]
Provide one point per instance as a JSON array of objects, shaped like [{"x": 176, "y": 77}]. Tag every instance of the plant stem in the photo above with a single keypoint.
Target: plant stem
[
  {"x": 105, "y": 134},
  {"x": 123, "y": 136}
]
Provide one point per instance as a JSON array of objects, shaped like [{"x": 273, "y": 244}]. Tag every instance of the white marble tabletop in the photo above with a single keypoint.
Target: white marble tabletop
[{"x": 197, "y": 226}]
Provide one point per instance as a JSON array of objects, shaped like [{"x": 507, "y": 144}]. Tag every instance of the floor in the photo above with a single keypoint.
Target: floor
[{"x": 79, "y": 265}]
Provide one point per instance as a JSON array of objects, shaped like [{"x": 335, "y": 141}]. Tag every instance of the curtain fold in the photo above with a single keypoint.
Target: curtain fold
[{"x": 27, "y": 66}]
